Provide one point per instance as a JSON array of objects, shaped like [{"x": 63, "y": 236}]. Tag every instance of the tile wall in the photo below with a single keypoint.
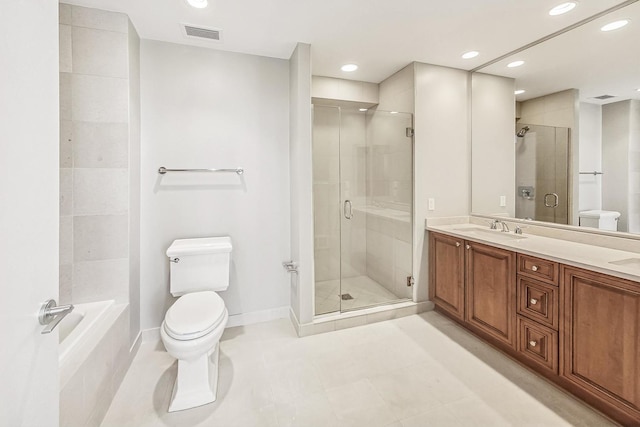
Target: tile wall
[{"x": 94, "y": 155}]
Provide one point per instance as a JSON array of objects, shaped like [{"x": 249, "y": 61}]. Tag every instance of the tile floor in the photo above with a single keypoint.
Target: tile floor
[
  {"x": 421, "y": 370},
  {"x": 364, "y": 290}
]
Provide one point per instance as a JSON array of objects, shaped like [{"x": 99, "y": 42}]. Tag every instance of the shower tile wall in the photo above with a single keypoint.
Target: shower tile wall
[
  {"x": 94, "y": 155},
  {"x": 389, "y": 198}
]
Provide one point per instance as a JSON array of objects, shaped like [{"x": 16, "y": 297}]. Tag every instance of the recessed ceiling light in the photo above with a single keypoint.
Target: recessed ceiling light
[
  {"x": 393, "y": 112},
  {"x": 198, "y": 4},
  {"x": 615, "y": 25},
  {"x": 471, "y": 54},
  {"x": 363, "y": 109},
  {"x": 562, "y": 8},
  {"x": 349, "y": 67},
  {"x": 519, "y": 91},
  {"x": 515, "y": 64},
  {"x": 638, "y": 89}
]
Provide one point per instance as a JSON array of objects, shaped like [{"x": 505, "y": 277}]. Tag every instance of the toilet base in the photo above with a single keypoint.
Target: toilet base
[{"x": 196, "y": 383}]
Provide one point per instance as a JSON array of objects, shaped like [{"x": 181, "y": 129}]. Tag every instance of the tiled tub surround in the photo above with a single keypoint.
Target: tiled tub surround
[
  {"x": 95, "y": 146},
  {"x": 92, "y": 372}
]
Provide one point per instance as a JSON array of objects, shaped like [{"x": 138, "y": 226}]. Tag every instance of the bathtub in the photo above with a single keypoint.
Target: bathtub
[
  {"x": 94, "y": 354},
  {"x": 74, "y": 328}
]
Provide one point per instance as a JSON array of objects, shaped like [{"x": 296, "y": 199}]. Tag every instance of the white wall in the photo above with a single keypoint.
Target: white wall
[
  {"x": 493, "y": 168},
  {"x": 204, "y": 108},
  {"x": 301, "y": 189},
  {"x": 442, "y": 154},
  {"x": 590, "y": 191}
]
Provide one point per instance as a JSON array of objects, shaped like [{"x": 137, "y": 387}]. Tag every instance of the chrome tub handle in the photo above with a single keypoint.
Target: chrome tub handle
[{"x": 51, "y": 314}]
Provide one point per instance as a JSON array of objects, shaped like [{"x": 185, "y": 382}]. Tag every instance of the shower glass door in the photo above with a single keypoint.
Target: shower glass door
[{"x": 363, "y": 194}]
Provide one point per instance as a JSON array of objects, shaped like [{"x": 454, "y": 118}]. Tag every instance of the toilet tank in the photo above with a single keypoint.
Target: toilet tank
[
  {"x": 200, "y": 264},
  {"x": 604, "y": 220}
]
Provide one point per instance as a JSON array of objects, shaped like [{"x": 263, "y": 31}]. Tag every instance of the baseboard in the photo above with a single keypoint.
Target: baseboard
[{"x": 258, "y": 316}]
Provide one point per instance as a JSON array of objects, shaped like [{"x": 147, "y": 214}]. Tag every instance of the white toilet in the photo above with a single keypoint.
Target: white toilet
[{"x": 194, "y": 324}]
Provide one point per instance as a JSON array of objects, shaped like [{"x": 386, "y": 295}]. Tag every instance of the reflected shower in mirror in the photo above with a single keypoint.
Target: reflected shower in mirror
[{"x": 565, "y": 148}]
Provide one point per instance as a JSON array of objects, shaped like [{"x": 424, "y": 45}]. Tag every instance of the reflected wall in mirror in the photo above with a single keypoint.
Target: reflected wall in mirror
[{"x": 567, "y": 149}]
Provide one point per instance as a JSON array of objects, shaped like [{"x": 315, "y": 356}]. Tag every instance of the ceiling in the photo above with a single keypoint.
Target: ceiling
[
  {"x": 585, "y": 58},
  {"x": 381, "y": 36}
]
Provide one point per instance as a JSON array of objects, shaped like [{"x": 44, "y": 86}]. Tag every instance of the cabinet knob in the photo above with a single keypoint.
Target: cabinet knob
[
  {"x": 457, "y": 244},
  {"x": 533, "y": 343},
  {"x": 468, "y": 246},
  {"x": 534, "y": 268},
  {"x": 533, "y": 301}
]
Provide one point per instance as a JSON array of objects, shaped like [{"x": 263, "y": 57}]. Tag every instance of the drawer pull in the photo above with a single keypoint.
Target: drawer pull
[
  {"x": 457, "y": 244},
  {"x": 534, "y": 268},
  {"x": 533, "y": 343},
  {"x": 468, "y": 246},
  {"x": 533, "y": 301}
]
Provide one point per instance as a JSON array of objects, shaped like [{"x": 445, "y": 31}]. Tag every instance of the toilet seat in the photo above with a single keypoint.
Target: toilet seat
[{"x": 194, "y": 315}]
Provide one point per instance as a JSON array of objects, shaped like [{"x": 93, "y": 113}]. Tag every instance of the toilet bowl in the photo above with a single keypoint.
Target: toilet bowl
[{"x": 194, "y": 324}]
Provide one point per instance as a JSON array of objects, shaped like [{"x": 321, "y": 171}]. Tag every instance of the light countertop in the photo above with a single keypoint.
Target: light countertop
[{"x": 603, "y": 260}]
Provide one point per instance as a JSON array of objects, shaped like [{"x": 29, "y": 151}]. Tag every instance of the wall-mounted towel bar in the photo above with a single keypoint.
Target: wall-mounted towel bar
[
  {"x": 594, "y": 173},
  {"x": 164, "y": 170}
]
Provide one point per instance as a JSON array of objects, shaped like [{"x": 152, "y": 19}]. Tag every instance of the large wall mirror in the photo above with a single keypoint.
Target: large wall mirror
[{"x": 557, "y": 139}]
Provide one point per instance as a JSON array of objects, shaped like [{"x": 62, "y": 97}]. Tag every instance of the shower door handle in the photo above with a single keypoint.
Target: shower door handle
[
  {"x": 347, "y": 209},
  {"x": 556, "y": 200}
]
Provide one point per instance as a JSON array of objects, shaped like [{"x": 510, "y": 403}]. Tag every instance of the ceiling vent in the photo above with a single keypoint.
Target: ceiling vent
[
  {"x": 603, "y": 97},
  {"x": 211, "y": 34}
]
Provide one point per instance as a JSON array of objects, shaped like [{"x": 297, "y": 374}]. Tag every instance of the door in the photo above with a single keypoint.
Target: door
[
  {"x": 600, "y": 341},
  {"x": 29, "y": 210},
  {"x": 376, "y": 190},
  {"x": 491, "y": 291},
  {"x": 446, "y": 282},
  {"x": 363, "y": 207}
]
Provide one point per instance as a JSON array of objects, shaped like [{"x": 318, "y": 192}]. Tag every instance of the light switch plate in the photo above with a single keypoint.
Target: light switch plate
[
  {"x": 432, "y": 204},
  {"x": 503, "y": 201}
]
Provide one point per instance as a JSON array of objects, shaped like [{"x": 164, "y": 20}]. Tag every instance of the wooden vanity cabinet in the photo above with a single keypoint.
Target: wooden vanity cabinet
[
  {"x": 491, "y": 292},
  {"x": 474, "y": 283},
  {"x": 578, "y": 328},
  {"x": 446, "y": 275},
  {"x": 600, "y": 338}
]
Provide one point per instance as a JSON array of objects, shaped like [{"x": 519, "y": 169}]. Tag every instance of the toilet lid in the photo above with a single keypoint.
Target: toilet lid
[{"x": 194, "y": 315}]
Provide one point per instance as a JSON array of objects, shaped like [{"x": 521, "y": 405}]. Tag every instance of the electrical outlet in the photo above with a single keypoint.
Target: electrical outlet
[
  {"x": 503, "y": 201},
  {"x": 432, "y": 204}
]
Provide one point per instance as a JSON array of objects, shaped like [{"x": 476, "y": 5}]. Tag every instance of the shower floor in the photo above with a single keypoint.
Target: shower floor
[{"x": 364, "y": 291}]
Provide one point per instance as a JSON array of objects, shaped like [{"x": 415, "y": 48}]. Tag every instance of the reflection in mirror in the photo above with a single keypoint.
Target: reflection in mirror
[{"x": 581, "y": 150}]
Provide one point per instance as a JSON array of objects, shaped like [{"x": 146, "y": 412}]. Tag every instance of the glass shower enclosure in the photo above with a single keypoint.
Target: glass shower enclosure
[
  {"x": 542, "y": 173},
  {"x": 363, "y": 205}
]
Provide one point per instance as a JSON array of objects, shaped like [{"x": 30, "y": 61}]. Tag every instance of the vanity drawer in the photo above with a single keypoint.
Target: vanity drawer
[
  {"x": 538, "y": 344},
  {"x": 537, "y": 268},
  {"x": 538, "y": 301}
]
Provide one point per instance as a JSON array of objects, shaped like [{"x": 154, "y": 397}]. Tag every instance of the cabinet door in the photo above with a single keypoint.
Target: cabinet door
[
  {"x": 600, "y": 337},
  {"x": 491, "y": 291},
  {"x": 446, "y": 278}
]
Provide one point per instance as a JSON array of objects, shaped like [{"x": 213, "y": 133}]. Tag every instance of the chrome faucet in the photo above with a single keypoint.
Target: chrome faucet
[
  {"x": 493, "y": 225},
  {"x": 505, "y": 227},
  {"x": 518, "y": 230}
]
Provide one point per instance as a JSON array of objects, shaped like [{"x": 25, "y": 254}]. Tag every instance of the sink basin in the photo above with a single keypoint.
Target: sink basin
[
  {"x": 488, "y": 232},
  {"x": 628, "y": 262}
]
